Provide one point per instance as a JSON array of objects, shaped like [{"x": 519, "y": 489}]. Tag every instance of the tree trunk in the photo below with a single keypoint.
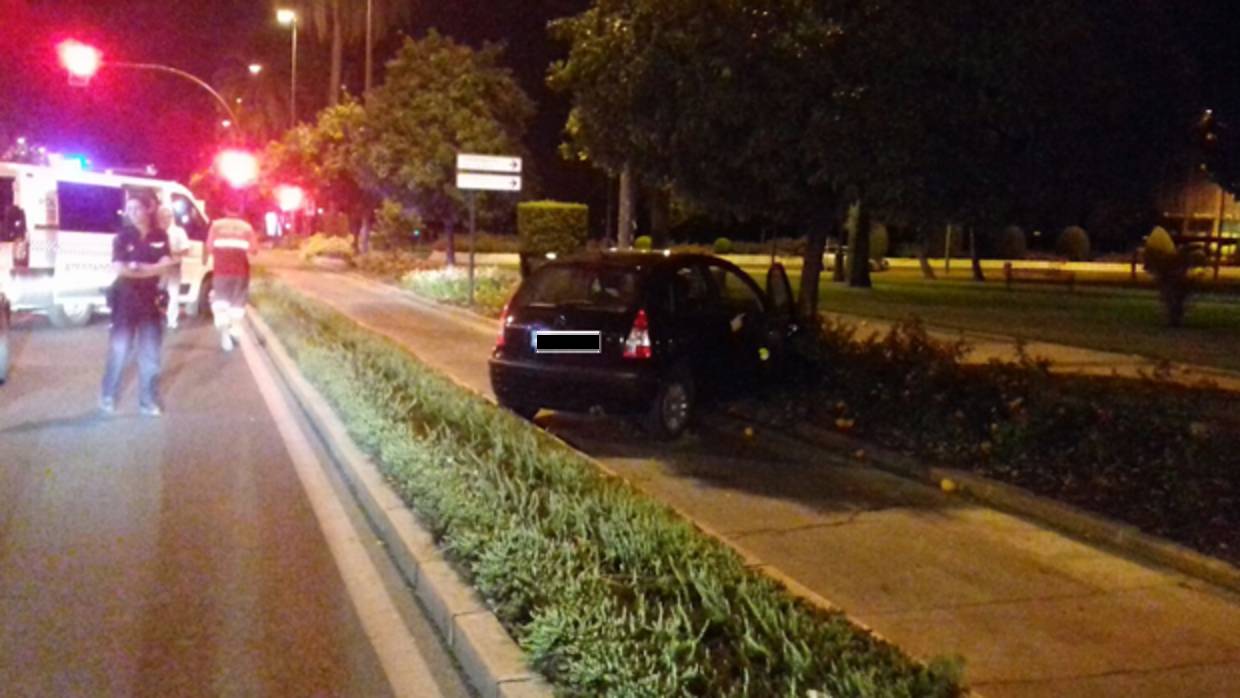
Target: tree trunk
[
  {"x": 947, "y": 248},
  {"x": 450, "y": 257},
  {"x": 975, "y": 255},
  {"x": 609, "y": 222},
  {"x": 625, "y": 221},
  {"x": 923, "y": 255},
  {"x": 660, "y": 216},
  {"x": 821, "y": 224},
  {"x": 859, "y": 247},
  {"x": 333, "y": 85}
]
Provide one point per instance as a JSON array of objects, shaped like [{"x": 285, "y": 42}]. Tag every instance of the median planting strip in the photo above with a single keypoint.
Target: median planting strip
[{"x": 607, "y": 592}]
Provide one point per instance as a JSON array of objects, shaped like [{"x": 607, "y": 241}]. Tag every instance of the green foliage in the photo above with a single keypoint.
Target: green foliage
[
  {"x": 320, "y": 245},
  {"x": 486, "y": 242},
  {"x": 880, "y": 241},
  {"x": 552, "y": 226},
  {"x": 439, "y": 98},
  {"x": 1012, "y": 243},
  {"x": 608, "y": 593},
  {"x": 1073, "y": 243},
  {"x": 391, "y": 265},
  {"x": 643, "y": 242},
  {"x": 1173, "y": 269},
  {"x": 322, "y": 157},
  {"x": 1141, "y": 451},
  {"x": 492, "y": 286},
  {"x": 394, "y": 226},
  {"x": 722, "y": 246}
]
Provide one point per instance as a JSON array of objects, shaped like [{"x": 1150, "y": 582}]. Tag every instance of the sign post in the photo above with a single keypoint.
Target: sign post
[{"x": 476, "y": 173}]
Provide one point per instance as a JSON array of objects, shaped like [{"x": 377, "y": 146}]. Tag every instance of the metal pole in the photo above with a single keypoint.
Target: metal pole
[
  {"x": 182, "y": 74},
  {"x": 473, "y": 243},
  {"x": 369, "y": 42},
  {"x": 292, "y": 90}
]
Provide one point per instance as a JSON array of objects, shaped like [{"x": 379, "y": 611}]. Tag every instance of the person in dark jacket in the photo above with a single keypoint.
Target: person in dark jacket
[{"x": 140, "y": 256}]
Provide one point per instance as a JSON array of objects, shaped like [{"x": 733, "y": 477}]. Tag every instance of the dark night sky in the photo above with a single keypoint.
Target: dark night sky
[{"x": 133, "y": 118}]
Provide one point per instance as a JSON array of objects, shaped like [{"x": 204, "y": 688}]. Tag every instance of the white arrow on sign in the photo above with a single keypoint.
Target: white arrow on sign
[
  {"x": 488, "y": 182},
  {"x": 488, "y": 163}
]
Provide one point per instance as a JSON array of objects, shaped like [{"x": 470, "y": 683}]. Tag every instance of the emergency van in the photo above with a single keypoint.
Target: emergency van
[{"x": 56, "y": 239}]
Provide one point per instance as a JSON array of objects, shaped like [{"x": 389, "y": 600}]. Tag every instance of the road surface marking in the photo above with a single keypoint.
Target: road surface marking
[{"x": 407, "y": 672}]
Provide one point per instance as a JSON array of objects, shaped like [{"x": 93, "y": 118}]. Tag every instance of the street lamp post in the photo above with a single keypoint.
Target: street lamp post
[
  {"x": 369, "y": 42},
  {"x": 289, "y": 18}
]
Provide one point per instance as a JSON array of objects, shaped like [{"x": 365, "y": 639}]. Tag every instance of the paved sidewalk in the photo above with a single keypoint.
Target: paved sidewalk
[{"x": 1034, "y": 612}]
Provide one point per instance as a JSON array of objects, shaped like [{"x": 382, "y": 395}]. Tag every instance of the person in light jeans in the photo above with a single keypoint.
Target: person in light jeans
[
  {"x": 231, "y": 242},
  {"x": 178, "y": 247},
  {"x": 140, "y": 258}
]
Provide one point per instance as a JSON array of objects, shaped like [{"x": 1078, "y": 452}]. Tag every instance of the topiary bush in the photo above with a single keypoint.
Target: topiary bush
[
  {"x": 1012, "y": 243},
  {"x": 552, "y": 226},
  {"x": 1073, "y": 243},
  {"x": 722, "y": 246},
  {"x": 1173, "y": 270},
  {"x": 880, "y": 241},
  {"x": 643, "y": 242}
]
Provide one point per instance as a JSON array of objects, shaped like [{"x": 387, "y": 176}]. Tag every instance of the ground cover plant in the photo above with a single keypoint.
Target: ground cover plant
[
  {"x": 609, "y": 593},
  {"x": 1149, "y": 452},
  {"x": 493, "y": 286}
]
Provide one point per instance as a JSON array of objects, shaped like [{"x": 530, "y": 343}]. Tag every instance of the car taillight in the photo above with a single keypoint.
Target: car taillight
[
  {"x": 637, "y": 344},
  {"x": 503, "y": 325}
]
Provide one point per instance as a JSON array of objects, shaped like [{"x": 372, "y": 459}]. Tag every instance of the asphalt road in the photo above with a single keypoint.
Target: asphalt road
[
  {"x": 1033, "y": 612},
  {"x": 184, "y": 556}
]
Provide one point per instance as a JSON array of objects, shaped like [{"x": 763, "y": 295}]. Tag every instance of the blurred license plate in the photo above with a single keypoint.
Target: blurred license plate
[{"x": 567, "y": 342}]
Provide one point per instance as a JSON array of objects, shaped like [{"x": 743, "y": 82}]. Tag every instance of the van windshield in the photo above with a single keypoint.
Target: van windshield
[{"x": 600, "y": 287}]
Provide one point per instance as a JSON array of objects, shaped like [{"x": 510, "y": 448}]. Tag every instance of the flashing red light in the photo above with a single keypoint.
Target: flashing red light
[
  {"x": 637, "y": 344},
  {"x": 238, "y": 167},
  {"x": 80, "y": 60},
  {"x": 290, "y": 198}
]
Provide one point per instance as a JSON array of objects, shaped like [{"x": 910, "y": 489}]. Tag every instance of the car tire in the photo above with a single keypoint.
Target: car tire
[
  {"x": 671, "y": 411},
  {"x": 526, "y": 412},
  {"x": 63, "y": 317}
]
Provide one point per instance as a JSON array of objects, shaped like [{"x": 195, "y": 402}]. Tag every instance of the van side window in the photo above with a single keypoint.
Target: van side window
[
  {"x": 90, "y": 208},
  {"x": 188, "y": 217}
]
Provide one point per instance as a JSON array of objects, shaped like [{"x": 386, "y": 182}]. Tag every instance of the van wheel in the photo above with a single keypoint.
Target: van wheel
[
  {"x": 202, "y": 306},
  {"x": 65, "y": 315},
  {"x": 672, "y": 408}
]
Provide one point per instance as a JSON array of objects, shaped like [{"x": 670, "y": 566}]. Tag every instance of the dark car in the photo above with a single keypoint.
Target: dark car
[{"x": 637, "y": 333}]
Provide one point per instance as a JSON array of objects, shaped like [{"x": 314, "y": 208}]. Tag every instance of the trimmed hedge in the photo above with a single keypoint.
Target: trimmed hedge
[
  {"x": 608, "y": 593},
  {"x": 552, "y": 226},
  {"x": 1073, "y": 243}
]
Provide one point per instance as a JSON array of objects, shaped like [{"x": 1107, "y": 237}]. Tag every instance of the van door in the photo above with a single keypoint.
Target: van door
[
  {"x": 192, "y": 269},
  {"x": 90, "y": 217}
]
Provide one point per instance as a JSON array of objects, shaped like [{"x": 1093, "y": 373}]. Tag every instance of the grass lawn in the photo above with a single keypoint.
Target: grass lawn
[{"x": 1109, "y": 318}]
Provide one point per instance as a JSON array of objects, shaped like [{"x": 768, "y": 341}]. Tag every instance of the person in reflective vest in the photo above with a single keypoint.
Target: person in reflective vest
[{"x": 231, "y": 243}]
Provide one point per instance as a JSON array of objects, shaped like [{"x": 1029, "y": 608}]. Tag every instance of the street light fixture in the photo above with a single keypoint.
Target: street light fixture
[
  {"x": 288, "y": 18},
  {"x": 256, "y": 68}
]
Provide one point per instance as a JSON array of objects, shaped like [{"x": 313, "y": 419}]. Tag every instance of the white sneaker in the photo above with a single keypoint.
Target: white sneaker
[
  {"x": 226, "y": 342},
  {"x": 150, "y": 410}
]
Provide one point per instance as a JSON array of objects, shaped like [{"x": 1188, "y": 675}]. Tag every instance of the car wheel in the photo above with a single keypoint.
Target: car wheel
[
  {"x": 672, "y": 408},
  {"x": 65, "y": 315},
  {"x": 523, "y": 411}
]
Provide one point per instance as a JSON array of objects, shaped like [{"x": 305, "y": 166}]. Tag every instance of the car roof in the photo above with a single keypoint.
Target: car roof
[{"x": 636, "y": 259}]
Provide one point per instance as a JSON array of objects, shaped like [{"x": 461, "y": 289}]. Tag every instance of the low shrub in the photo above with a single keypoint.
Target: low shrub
[
  {"x": 643, "y": 242},
  {"x": 722, "y": 246},
  {"x": 320, "y": 245},
  {"x": 393, "y": 265},
  {"x": 1073, "y": 244},
  {"x": 1141, "y": 451},
  {"x": 608, "y": 593},
  {"x": 492, "y": 286},
  {"x": 552, "y": 226}
]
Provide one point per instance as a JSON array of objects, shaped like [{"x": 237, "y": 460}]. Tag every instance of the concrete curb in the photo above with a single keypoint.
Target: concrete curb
[
  {"x": 490, "y": 659},
  {"x": 1014, "y": 500}
]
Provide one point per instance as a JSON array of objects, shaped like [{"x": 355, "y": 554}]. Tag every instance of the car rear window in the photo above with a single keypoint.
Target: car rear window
[{"x": 602, "y": 287}]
